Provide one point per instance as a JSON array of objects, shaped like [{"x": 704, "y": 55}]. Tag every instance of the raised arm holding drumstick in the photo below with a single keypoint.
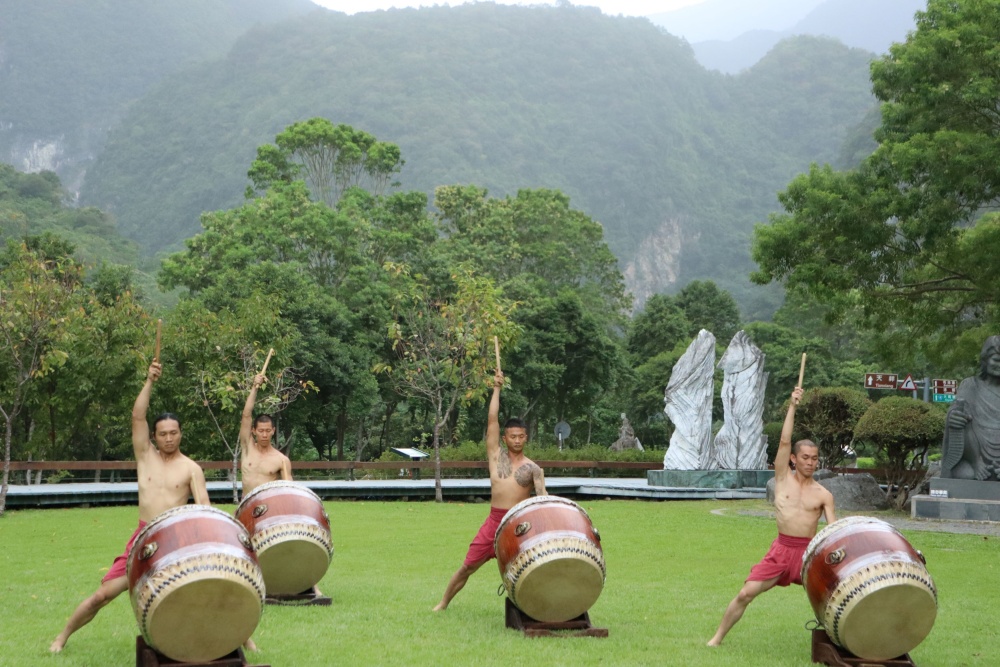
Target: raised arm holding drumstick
[
  {"x": 260, "y": 462},
  {"x": 513, "y": 476},
  {"x": 799, "y": 501}
]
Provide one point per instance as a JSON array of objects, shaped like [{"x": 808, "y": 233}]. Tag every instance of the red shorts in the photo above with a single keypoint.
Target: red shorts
[
  {"x": 481, "y": 549},
  {"x": 783, "y": 560},
  {"x": 118, "y": 567}
]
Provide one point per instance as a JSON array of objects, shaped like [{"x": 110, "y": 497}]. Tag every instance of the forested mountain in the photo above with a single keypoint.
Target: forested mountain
[
  {"x": 864, "y": 24},
  {"x": 69, "y": 69},
  {"x": 676, "y": 162}
]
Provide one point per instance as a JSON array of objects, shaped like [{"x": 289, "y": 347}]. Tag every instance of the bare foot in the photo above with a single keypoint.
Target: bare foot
[
  {"x": 714, "y": 642},
  {"x": 57, "y": 645},
  {"x": 249, "y": 645},
  {"x": 441, "y": 606}
]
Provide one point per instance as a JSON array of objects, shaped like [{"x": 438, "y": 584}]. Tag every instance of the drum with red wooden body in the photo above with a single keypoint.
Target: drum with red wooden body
[
  {"x": 290, "y": 532},
  {"x": 869, "y": 588},
  {"x": 196, "y": 588},
  {"x": 550, "y": 558}
]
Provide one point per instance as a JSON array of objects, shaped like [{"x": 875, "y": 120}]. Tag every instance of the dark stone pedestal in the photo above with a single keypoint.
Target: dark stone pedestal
[
  {"x": 710, "y": 479},
  {"x": 954, "y": 509},
  {"x": 958, "y": 500},
  {"x": 964, "y": 488}
]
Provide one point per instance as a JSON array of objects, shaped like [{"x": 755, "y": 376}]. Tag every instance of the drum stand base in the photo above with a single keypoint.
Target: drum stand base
[
  {"x": 828, "y": 653},
  {"x": 146, "y": 656},
  {"x": 310, "y": 597},
  {"x": 577, "y": 627}
]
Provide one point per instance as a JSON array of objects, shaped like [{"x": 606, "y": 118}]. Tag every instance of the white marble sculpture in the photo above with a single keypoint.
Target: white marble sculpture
[
  {"x": 688, "y": 403},
  {"x": 741, "y": 444}
]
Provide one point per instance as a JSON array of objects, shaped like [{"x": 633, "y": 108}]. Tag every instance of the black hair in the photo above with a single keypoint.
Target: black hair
[
  {"x": 797, "y": 447},
  {"x": 263, "y": 418},
  {"x": 167, "y": 415},
  {"x": 515, "y": 422}
]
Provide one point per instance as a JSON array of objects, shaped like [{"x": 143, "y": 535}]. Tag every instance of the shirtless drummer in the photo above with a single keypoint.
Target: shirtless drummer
[
  {"x": 260, "y": 462},
  {"x": 512, "y": 477},
  {"x": 799, "y": 500},
  {"x": 166, "y": 479}
]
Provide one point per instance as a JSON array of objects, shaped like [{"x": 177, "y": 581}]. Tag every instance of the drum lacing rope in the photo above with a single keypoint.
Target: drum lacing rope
[
  {"x": 816, "y": 625},
  {"x": 501, "y": 590}
]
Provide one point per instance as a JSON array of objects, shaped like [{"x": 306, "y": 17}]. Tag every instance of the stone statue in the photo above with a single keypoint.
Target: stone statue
[
  {"x": 741, "y": 443},
  {"x": 626, "y": 437},
  {"x": 971, "y": 446},
  {"x": 688, "y": 404}
]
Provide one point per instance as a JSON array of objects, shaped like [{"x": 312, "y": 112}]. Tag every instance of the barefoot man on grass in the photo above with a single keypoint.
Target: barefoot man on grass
[
  {"x": 260, "y": 462},
  {"x": 166, "y": 479},
  {"x": 799, "y": 500},
  {"x": 512, "y": 478}
]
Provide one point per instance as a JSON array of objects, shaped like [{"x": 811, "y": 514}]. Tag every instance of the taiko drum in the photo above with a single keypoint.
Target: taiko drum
[
  {"x": 869, "y": 588},
  {"x": 290, "y": 532},
  {"x": 195, "y": 585},
  {"x": 550, "y": 558}
]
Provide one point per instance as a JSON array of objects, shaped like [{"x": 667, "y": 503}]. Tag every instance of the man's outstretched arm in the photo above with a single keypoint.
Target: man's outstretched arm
[
  {"x": 140, "y": 427},
  {"x": 246, "y": 422}
]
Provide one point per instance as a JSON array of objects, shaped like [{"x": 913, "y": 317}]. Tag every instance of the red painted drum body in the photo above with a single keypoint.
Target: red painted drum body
[
  {"x": 550, "y": 558},
  {"x": 290, "y": 532},
  {"x": 869, "y": 588},
  {"x": 195, "y": 585}
]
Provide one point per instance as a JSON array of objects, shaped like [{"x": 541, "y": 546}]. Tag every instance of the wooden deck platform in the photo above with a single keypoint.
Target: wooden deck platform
[{"x": 127, "y": 493}]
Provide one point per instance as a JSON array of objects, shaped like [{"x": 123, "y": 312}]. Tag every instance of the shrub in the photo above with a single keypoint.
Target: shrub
[
  {"x": 828, "y": 416},
  {"x": 901, "y": 429}
]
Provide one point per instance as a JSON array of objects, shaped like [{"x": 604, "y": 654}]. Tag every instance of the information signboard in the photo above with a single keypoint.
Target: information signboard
[{"x": 880, "y": 380}]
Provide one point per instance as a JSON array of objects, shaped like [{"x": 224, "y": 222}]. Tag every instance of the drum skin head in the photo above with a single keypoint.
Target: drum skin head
[
  {"x": 559, "y": 590},
  {"x": 890, "y": 622},
  {"x": 293, "y": 566},
  {"x": 231, "y": 610}
]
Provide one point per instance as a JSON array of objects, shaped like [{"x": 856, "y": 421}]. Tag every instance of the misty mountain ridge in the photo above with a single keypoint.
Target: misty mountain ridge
[
  {"x": 866, "y": 24},
  {"x": 676, "y": 162}
]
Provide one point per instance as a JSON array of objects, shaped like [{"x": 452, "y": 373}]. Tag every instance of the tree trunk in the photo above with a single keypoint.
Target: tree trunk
[
  {"x": 341, "y": 428},
  {"x": 8, "y": 434},
  {"x": 438, "y": 495}
]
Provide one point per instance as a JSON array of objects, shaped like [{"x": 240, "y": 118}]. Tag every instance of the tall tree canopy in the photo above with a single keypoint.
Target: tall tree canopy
[{"x": 903, "y": 236}]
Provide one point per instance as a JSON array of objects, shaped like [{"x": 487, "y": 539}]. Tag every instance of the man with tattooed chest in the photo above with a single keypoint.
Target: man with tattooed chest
[{"x": 513, "y": 476}]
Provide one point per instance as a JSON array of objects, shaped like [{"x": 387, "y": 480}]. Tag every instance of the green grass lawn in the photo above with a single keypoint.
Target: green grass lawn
[{"x": 672, "y": 568}]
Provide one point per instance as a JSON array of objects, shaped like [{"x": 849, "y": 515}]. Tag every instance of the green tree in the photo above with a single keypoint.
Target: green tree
[
  {"x": 709, "y": 307},
  {"x": 35, "y": 300},
  {"x": 900, "y": 237},
  {"x": 445, "y": 345},
  {"x": 657, "y": 328},
  {"x": 828, "y": 416},
  {"x": 83, "y": 403},
  {"x": 901, "y": 429},
  {"x": 331, "y": 158}
]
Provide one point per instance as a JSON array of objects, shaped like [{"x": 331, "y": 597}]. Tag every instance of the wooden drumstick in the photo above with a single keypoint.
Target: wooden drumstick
[
  {"x": 263, "y": 371},
  {"x": 156, "y": 352},
  {"x": 802, "y": 370},
  {"x": 496, "y": 348}
]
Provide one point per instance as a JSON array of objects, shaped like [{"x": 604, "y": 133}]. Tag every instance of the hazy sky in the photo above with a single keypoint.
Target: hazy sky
[{"x": 612, "y": 7}]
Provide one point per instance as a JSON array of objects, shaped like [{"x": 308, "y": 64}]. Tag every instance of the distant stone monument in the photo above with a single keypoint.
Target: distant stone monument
[
  {"x": 688, "y": 402},
  {"x": 626, "y": 437},
  {"x": 971, "y": 446},
  {"x": 741, "y": 444},
  {"x": 969, "y": 485}
]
